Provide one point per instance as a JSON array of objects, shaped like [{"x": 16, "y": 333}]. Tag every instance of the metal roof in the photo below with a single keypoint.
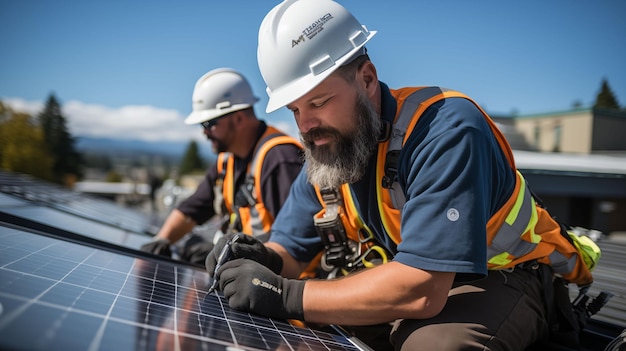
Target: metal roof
[{"x": 591, "y": 163}]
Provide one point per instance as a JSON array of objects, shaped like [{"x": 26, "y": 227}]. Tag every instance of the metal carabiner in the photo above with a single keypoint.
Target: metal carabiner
[{"x": 377, "y": 249}]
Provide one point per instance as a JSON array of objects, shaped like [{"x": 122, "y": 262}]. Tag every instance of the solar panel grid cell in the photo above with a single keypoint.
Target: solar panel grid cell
[{"x": 60, "y": 295}]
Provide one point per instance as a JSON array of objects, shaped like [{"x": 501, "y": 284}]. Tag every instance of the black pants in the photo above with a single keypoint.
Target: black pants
[{"x": 505, "y": 311}]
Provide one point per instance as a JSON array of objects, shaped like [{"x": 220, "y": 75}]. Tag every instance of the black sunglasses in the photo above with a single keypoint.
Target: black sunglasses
[
  {"x": 212, "y": 123},
  {"x": 209, "y": 124}
]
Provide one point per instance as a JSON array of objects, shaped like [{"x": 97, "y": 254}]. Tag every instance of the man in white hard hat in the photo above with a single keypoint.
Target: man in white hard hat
[
  {"x": 251, "y": 179},
  {"x": 412, "y": 197}
]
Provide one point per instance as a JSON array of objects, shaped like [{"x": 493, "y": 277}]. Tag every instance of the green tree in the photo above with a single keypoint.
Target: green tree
[
  {"x": 67, "y": 162},
  {"x": 22, "y": 146},
  {"x": 114, "y": 177},
  {"x": 191, "y": 161},
  {"x": 606, "y": 99}
]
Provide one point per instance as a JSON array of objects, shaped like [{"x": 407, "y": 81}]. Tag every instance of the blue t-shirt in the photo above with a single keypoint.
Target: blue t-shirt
[{"x": 455, "y": 177}]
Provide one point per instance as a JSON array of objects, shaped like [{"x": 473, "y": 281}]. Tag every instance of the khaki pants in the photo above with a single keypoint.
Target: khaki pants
[{"x": 505, "y": 311}]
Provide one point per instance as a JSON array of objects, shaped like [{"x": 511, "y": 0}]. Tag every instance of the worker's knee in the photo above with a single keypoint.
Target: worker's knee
[{"x": 417, "y": 335}]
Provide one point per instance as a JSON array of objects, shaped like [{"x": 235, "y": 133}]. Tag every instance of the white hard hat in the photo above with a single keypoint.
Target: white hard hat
[
  {"x": 219, "y": 92},
  {"x": 301, "y": 42}
]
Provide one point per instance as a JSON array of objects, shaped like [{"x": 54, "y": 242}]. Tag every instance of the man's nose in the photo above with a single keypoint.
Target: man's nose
[{"x": 307, "y": 121}]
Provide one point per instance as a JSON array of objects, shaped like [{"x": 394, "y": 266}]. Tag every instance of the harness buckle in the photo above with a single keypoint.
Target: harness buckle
[
  {"x": 391, "y": 169},
  {"x": 244, "y": 196},
  {"x": 337, "y": 251}
]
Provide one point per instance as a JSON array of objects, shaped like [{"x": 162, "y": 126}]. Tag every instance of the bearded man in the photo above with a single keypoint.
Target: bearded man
[{"x": 430, "y": 236}]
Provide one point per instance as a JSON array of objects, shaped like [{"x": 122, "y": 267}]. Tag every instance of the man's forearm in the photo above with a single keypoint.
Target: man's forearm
[
  {"x": 176, "y": 226},
  {"x": 291, "y": 267},
  {"x": 377, "y": 295}
]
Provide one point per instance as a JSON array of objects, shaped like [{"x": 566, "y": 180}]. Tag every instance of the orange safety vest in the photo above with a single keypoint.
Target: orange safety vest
[
  {"x": 255, "y": 219},
  {"x": 520, "y": 231}
]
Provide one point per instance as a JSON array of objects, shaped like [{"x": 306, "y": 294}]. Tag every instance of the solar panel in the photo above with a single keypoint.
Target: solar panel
[
  {"x": 35, "y": 204},
  {"x": 72, "y": 279},
  {"x": 34, "y": 193},
  {"x": 60, "y": 295}
]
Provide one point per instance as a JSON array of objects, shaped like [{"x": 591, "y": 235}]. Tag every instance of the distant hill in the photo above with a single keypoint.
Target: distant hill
[{"x": 126, "y": 147}]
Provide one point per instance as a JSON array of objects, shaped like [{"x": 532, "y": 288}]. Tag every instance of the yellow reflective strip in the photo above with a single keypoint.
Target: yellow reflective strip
[
  {"x": 588, "y": 249},
  {"x": 510, "y": 218},
  {"x": 382, "y": 151},
  {"x": 349, "y": 201},
  {"x": 532, "y": 223},
  {"x": 500, "y": 260}
]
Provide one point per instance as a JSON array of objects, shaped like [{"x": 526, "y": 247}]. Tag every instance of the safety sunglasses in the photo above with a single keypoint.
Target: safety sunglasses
[{"x": 208, "y": 125}]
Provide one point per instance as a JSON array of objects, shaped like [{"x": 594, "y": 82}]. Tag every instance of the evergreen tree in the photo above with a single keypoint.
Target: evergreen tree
[
  {"x": 606, "y": 99},
  {"x": 67, "y": 162},
  {"x": 22, "y": 147},
  {"x": 191, "y": 160},
  {"x": 5, "y": 112}
]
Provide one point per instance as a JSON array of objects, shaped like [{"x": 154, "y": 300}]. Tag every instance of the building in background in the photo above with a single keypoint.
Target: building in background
[
  {"x": 575, "y": 161},
  {"x": 584, "y": 131}
]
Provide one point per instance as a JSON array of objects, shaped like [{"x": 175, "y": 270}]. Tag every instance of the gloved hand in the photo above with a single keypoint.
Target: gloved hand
[
  {"x": 158, "y": 247},
  {"x": 251, "y": 287},
  {"x": 247, "y": 247},
  {"x": 196, "y": 249}
]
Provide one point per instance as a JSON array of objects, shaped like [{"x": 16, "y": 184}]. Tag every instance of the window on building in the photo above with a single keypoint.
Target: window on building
[
  {"x": 536, "y": 135},
  {"x": 558, "y": 131}
]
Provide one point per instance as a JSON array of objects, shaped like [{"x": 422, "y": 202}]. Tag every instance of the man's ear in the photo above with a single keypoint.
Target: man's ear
[{"x": 369, "y": 78}]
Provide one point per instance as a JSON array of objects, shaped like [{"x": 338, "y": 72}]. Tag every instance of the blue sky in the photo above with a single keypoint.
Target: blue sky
[{"x": 127, "y": 68}]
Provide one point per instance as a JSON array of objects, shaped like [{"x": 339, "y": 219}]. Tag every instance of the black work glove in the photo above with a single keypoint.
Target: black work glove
[
  {"x": 247, "y": 247},
  {"x": 196, "y": 250},
  {"x": 158, "y": 247},
  {"x": 251, "y": 287}
]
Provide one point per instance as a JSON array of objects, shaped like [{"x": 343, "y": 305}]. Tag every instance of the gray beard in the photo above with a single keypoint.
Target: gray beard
[{"x": 346, "y": 161}]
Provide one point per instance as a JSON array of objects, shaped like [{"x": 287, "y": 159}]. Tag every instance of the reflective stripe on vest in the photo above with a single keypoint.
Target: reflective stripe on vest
[
  {"x": 218, "y": 186},
  {"x": 400, "y": 128},
  {"x": 507, "y": 247},
  {"x": 521, "y": 219},
  {"x": 414, "y": 103},
  {"x": 256, "y": 223},
  {"x": 511, "y": 233}
]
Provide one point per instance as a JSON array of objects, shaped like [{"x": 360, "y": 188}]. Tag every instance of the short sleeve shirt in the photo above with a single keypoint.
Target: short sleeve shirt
[
  {"x": 455, "y": 177},
  {"x": 280, "y": 167}
]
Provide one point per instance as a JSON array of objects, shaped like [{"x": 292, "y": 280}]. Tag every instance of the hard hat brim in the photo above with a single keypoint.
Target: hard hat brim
[{"x": 197, "y": 117}]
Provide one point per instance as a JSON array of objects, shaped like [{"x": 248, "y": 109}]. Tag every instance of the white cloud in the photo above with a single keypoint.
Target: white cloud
[
  {"x": 136, "y": 122},
  {"x": 21, "y": 105},
  {"x": 127, "y": 122}
]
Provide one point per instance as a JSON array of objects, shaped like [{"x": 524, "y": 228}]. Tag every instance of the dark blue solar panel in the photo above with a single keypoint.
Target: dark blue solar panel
[
  {"x": 61, "y": 295},
  {"x": 41, "y": 214},
  {"x": 38, "y": 193}
]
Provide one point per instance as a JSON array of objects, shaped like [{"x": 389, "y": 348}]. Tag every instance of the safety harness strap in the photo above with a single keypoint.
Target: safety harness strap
[
  {"x": 218, "y": 186},
  {"x": 329, "y": 227},
  {"x": 399, "y": 130}
]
